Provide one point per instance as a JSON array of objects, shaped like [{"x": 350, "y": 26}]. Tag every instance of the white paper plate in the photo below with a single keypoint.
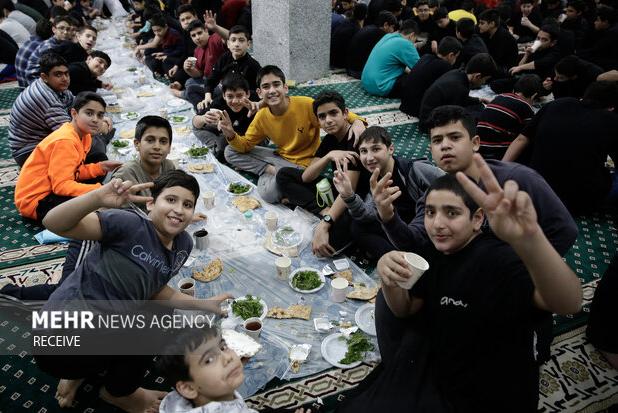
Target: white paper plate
[
  {"x": 306, "y": 269},
  {"x": 333, "y": 349},
  {"x": 176, "y": 102},
  {"x": 365, "y": 318},
  {"x": 243, "y": 193},
  {"x": 244, "y": 297},
  {"x": 283, "y": 238}
]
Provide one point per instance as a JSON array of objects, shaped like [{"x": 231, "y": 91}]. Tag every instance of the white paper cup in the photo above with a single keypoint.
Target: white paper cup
[
  {"x": 252, "y": 327},
  {"x": 418, "y": 265},
  {"x": 284, "y": 267},
  {"x": 192, "y": 61},
  {"x": 535, "y": 46},
  {"x": 338, "y": 289},
  {"x": 209, "y": 200},
  {"x": 271, "y": 220},
  {"x": 187, "y": 286}
]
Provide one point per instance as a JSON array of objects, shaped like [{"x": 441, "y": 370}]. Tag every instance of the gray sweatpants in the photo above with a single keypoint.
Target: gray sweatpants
[{"x": 256, "y": 161}]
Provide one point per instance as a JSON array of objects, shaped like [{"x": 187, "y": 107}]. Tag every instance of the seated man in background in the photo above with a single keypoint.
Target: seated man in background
[
  {"x": 235, "y": 102},
  {"x": 471, "y": 43},
  {"x": 505, "y": 116},
  {"x": 85, "y": 75},
  {"x": 542, "y": 60},
  {"x": 43, "y": 32},
  {"x": 601, "y": 47},
  {"x": 391, "y": 58},
  {"x": 365, "y": 39},
  {"x": 163, "y": 52},
  {"x": 573, "y": 76},
  {"x": 572, "y": 165},
  {"x": 500, "y": 43},
  {"x": 41, "y": 108},
  {"x": 426, "y": 71},
  {"x": 75, "y": 52},
  {"x": 453, "y": 87}
]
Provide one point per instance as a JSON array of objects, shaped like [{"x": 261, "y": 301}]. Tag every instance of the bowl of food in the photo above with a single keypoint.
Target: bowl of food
[
  {"x": 239, "y": 188},
  {"x": 198, "y": 151},
  {"x": 129, "y": 116},
  {"x": 306, "y": 280},
  {"x": 286, "y": 237},
  {"x": 249, "y": 306},
  {"x": 178, "y": 119},
  {"x": 118, "y": 144}
]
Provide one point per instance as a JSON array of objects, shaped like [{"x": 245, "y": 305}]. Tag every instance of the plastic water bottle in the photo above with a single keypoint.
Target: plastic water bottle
[
  {"x": 325, "y": 193},
  {"x": 252, "y": 222}
]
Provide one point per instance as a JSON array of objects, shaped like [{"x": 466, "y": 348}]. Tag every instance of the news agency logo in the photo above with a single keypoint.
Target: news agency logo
[{"x": 62, "y": 320}]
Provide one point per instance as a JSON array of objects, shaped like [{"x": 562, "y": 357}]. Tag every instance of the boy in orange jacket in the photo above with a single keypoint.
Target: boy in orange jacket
[{"x": 54, "y": 172}]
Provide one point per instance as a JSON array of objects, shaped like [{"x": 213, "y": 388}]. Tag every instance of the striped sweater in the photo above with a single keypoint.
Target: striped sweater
[
  {"x": 500, "y": 123},
  {"x": 37, "y": 112}
]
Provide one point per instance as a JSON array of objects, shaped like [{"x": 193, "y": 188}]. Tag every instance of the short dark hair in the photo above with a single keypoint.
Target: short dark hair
[
  {"x": 386, "y": 17},
  {"x": 578, "y": 5},
  {"x": 601, "y": 94},
  {"x": 173, "y": 363},
  {"x": 568, "y": 66},
  {"x": 57, "y": 11},
  {"x": 194, "y": 25},
  {"x": 328, "y": 96},
  {"x": 490, "y": 16},
  {"x": 158, "y": 20},
  {"x": 528, "y": 85},
  {"x": 234, "y": 81},
  {"x": 87, "y": 27},
  {"x": 448, "y": 182},
  {"x": 482, "y": 63},
  {"x": 465, "y": 27},
  {"x": 526, "y": 2},
  {"x": 393, "y": 6},
  {"x": 44, "y": 29},
  {"x": 49, "y": 60},
  {"x": 7, "y": 4},
  {"x": 70, "y": 20},
  {"x": 83, "y": 98},
  {"x": 239, "y": 28},
  {"x": 185, "y": 8},
  {"x": 421, "y": 3},
  {"x": 606, "y": 13},
  {"x": 449, "y": 44},
  {"x": 467, "y": 5},
  {"x": 440, "y": 13},
  {"x": 102, "y": 55},
  {"x": 152, "y": 121},
  {"x": 360, "y": 11},
  {"x": 408, "y": 26},
  {"x": 552, "y": 30},
  {"x": 443, "y": 115},
  {"x": 375, "y": 134},
  {"x": 269, "y": 70},
  {"x": 176, "y": 177}
]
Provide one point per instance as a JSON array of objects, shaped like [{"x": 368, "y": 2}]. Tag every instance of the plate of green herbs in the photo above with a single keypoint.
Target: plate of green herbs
[
  {"x": 286, "y": 237},
  {"x": 249, "y": 306},
  {"x": 120, "y": 144},
  {"x": 178, "y": 119},
  {"x": 239, "y": 188},
  {"x": 198, "y": 151},
  {"x": 306, "y": 280},
  {"x": 343, "y": 352},
  {"x": 129, "y": 116}
]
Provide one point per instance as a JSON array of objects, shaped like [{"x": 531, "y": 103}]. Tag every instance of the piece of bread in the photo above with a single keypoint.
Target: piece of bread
[{"x": 210, "y": 272}]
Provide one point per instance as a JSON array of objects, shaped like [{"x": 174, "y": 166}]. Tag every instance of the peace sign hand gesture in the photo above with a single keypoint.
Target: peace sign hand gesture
[
  {"x": 117, "y": 193},
  {"x": 384, "y": 194},
  {"x": 510, "y": 212},
  {"x": 341, "y": 180}
]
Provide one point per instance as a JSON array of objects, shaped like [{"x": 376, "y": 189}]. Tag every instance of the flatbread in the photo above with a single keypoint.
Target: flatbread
[
  {"x": 347, "y": 274},
  {"x": 145, "y": 94},
  {"x": 182, "y": 130},
  {"x": 245, "y": 203},
  {"x": 127, "y": 134},
  {"x": 294, "y": 311},
  {"x": 210, "y": 272},
  {"x": 113, "y": 109},
  {"x": 362, "y": 292},
  {"x": 201, "y": 168}
]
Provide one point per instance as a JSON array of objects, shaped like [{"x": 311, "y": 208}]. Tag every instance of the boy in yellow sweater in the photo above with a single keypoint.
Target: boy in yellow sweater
[
  {"x": 54, "y": 172},
  {"x": 289, "y": 123}
]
